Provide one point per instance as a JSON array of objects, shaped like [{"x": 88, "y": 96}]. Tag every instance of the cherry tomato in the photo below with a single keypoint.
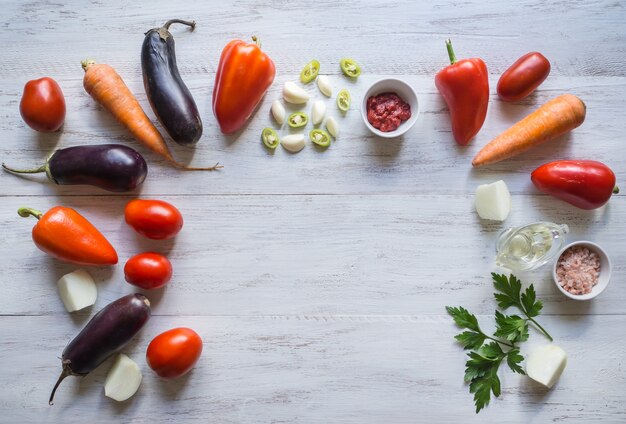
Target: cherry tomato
[
  {"x": 148, "y": 270},
  {"x": 174, "y": 353},
  {"x": 155, "y": 219},
  {"x": 43, "y": 106},
  {"x": 523, "y": 77}
]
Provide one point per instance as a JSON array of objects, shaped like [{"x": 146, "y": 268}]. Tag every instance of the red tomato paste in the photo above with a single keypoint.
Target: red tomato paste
[{"x": 387, "y": 111}]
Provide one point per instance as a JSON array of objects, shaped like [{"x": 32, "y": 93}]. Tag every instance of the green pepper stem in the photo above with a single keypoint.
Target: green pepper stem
[
  {"x": 450, "y": 52},
  {"x": 191, "y": 24},
  {"x": 42, "y": 168},
  {"x": 26, "y": 212},
  {"x": 616, "y": 190},
  {"x": 257, "y": 40}
]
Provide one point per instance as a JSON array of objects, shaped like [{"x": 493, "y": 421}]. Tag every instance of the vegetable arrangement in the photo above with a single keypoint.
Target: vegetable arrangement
[
  {"x": 244, "y": 75},
  {"x": 487, "y": 352}
]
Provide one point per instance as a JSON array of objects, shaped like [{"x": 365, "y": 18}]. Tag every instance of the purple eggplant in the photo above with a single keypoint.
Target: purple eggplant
[
  {"x": 105, "y": 334},
  {"x": 111, "y": 167},
  {"x": 169, "y": 97}
]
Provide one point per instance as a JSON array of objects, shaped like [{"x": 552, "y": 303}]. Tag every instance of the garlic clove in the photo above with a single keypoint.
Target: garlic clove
[
  {"x": 332, "y": 126},
  {"x": 294, "y": 94},
  {"x": 318, "y": 112},
  {"x": 278, "y": 112},
  {"x": 323, "y": 83},
  {"x": 77, "y": 290},
  {"x": 293, "y": 142}
]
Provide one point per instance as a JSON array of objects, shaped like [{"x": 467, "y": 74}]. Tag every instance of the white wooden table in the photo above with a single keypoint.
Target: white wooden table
[{"x": 318, "y": 280}]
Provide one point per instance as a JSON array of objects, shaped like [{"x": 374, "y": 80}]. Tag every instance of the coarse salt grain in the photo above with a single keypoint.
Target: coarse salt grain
[{"x": 578, "y": 270}]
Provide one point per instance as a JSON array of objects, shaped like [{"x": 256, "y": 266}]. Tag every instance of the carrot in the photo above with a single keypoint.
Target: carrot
[
  {"x": 559, "y": 116},
  {"x": 107, "y": 88}
]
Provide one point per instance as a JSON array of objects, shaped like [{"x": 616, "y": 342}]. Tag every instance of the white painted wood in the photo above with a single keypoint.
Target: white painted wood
[
  {"x": 317, "y": 280},
  {"x": 323, "y": 368}
]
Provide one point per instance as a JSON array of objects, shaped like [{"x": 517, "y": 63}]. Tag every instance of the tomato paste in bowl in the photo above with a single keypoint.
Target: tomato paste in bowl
[
  {"x": 387, "y": 111},
  {"x": 389, "y": 108}
]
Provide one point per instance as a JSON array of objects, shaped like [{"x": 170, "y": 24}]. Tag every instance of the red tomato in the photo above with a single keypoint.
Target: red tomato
[
  {"x": 174, "y": 353},
  {"x": 523, "y": 77},
  {"x": 148, "y": 270},
  {"x": 155, "y": 219},
  {"x": 43, "y": 106}
]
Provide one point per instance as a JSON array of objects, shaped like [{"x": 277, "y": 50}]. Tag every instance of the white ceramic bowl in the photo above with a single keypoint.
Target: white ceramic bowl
[
  {"x": 605, "y": 271},
  {"x": 406, "y": 93}
]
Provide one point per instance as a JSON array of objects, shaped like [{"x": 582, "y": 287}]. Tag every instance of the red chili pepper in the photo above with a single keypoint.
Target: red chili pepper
[
  {"x": 586, "y": 184},
  {"x": 66, "y": 235},
  {"x": 464, "y": 86},
  {"x": 243, "y": 76}
]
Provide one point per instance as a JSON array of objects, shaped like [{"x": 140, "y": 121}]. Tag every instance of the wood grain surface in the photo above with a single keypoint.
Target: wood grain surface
[{"x": 317, "y": 280}]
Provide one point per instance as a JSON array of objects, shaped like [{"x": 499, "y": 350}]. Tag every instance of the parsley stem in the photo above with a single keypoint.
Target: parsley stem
[
  {"x": 499, "y": 341},
  {"x": 541, "y": 328}
]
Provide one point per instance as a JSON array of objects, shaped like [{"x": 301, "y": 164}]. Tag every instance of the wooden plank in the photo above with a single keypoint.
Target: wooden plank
[
  {"x": 248, "y": 255},
  {"x": 321, "y": 368}
]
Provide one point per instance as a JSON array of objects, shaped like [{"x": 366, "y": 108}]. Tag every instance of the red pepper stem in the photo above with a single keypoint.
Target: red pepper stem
[
  {"x": 450, "y": 52},
  {"x": 191, "y": 24},
  {"x": 616, "y": 190},
  {"x": 257, "y": 40},
  {"x": 26, "y": 212}
]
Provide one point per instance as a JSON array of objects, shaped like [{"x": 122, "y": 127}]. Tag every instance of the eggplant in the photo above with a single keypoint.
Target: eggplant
[
  {"x": 169, "y": 97},
  {"x": 105, "y": 334},
  {"x": 111, "y": 167}
]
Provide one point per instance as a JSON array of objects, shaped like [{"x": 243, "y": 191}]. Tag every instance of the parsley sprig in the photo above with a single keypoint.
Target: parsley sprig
[{"x": 488, "y": 352}]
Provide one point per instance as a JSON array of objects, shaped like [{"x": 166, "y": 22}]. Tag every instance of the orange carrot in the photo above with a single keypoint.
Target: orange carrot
[
  {"x": 557, "y": 117},
  {"x": 107, "y": 88}
]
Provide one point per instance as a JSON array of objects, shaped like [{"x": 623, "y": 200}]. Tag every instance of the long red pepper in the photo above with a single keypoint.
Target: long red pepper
[
  {"x": 464, "y": 85},
  {"x": 66, "y": 235}
]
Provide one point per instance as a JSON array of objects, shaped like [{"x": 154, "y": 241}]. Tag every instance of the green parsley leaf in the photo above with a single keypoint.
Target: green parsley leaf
[
  {"x": 514, "y": 358},
  {"x": 470, "y": 339},
  {"x": 531, "y": 305},
  {"x": 509, "y": 290},
  {"x": 511, "y": 327},
  {"x": 482, "y": 388},
  {"x": 478, "y": 366},
  {"x": 463, "y": 318},
  {"x": 492, "y": 351}
]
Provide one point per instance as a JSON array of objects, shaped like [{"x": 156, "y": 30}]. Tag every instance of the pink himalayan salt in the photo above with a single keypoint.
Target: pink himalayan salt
[{"x": 578, "y": 270}]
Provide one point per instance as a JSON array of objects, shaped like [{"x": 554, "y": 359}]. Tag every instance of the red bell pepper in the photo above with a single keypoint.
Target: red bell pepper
[
  {"x": 464, "y": 86},
  {"x": 243, "y": 76},
  {"x": 66, "y": 235},
  {"x": 586, "y": 184}
]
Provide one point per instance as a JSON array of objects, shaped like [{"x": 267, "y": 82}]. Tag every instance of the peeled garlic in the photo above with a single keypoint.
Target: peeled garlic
[
  {"x": 294, "y": 94},
  {"x": 332, "y": 126},
  {"x": 278, "y": 112},
  {"x": 293, "y": 142},
  {"x": 77, "y": 290},
  {"x": 324, "y": 85},
  {"x": 318, "y": 112},
  {"x": 123, "y": 379}
]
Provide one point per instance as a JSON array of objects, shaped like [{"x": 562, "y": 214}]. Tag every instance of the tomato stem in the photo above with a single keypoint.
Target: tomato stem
[
  {"x": 616, "y": 190},
  {"x": 26, "y": 212},
  {"x": 191, "y": 24},
  {"x": 450, "y": 52}
]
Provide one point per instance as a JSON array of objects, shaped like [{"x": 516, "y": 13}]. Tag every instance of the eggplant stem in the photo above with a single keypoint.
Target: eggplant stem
[
  {"x": 191, "y": 24},
  {"x": 65, "y": 373},
  {"x": 193, "y": 168},
  {"x": 26, "y": 212},
  {"x": 42, "y": 168}
]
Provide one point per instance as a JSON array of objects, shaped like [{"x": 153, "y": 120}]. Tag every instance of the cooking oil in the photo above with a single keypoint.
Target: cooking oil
[{"x": 529, "y": 247}]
